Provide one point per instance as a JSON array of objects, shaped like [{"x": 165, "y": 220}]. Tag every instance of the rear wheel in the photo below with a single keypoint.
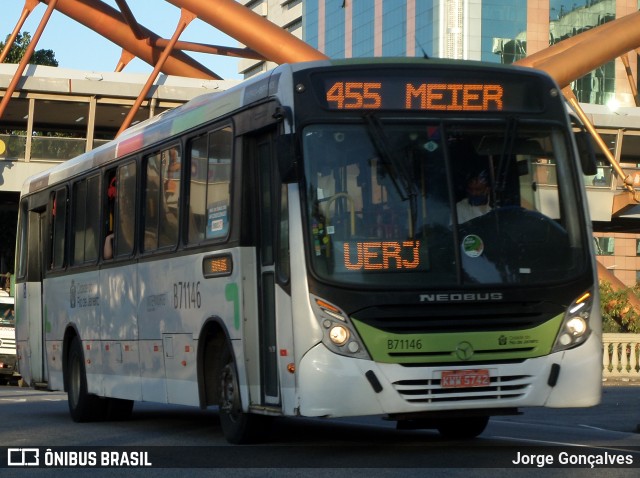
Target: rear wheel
[
  {"x": 237, "y": 426},
  {"x": 83, "y": 406}
]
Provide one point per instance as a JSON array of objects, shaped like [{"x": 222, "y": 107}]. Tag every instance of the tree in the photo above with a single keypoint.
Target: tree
[
  {"x": 19, "y": 47},
  {"x": 617, "y": 313}
]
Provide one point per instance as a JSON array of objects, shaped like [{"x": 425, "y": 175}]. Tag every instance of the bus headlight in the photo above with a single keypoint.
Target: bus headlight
[
  {"x": 338, "y": 335},
  {"x": 575, "y": 326}
]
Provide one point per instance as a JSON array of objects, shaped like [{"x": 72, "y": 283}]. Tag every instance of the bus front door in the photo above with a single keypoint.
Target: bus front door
[
  {"x": 266, "y": 222},
  {"x": 30, "y": 320}
]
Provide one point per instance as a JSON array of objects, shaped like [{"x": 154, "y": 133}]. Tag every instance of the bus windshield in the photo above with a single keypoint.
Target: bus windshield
[{"x": 415, "y": 204}]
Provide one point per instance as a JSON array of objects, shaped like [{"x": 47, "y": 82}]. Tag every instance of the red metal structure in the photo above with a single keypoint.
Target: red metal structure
[
  {"x": 565, "y": 61},
  {"x": 121, "y": 27}
]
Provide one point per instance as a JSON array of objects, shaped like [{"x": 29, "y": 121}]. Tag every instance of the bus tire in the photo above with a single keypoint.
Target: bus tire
[
  {"x": 462, "y": 428},
  {"x": 83, "y": 406},
  {"x": 237, "y": 426}
]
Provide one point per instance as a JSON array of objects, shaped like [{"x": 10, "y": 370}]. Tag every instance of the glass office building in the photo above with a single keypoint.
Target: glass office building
[{"x": 501, "y": 31}]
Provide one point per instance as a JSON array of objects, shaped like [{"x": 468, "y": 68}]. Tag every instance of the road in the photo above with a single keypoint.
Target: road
[{"x": 183, "y": 441}]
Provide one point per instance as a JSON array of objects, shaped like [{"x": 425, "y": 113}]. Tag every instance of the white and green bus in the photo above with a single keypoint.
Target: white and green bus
[{"x": 403, "y": 238}]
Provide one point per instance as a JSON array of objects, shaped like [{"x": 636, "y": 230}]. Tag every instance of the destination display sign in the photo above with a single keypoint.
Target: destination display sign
[{"x": 367, "y": 90}]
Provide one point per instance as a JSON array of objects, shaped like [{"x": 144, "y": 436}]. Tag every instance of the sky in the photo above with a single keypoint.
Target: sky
[{"x": 77, "y": 47}]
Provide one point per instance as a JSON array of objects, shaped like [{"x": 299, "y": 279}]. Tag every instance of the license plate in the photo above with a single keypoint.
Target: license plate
[{"x": 465, "y": 378}]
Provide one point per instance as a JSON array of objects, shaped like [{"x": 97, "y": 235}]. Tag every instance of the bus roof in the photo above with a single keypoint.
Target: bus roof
[{"x": 172, "y": 122}]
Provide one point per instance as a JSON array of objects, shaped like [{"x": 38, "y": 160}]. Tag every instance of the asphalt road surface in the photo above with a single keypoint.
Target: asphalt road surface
[{"x": 182, "y": 441}]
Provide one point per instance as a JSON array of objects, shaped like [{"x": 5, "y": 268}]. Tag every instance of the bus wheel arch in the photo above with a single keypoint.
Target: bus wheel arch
[
  {"x": 213, "y": 339},
  {"x": 219, "y": 386},
  {"x": 69, "y": 336},
  {"x": 83, "y": 406},
  {"x": 238, "y": 426}
]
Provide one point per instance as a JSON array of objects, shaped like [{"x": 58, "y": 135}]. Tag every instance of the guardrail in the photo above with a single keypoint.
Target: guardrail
[{"x": 621, "y": 357}]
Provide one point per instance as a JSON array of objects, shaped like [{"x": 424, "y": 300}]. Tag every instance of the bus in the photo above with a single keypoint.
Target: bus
[{"x": 302, "y": 245}]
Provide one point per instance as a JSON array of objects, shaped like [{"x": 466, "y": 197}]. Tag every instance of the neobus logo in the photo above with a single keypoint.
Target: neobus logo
[{"x": 462, "y": 297}]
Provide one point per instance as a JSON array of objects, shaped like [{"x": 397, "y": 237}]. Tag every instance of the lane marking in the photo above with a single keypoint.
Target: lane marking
[{"x": 595, "y": 428}]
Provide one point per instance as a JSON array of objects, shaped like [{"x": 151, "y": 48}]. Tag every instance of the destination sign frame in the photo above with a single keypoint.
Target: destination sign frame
[{"x": 444, "y": 92}]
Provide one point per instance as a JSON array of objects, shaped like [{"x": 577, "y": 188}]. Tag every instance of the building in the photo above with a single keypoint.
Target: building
[
  {"x": 88, "y": 107},
  {"x": 287, "y": 14},
  {"x": 488, "y": 30},
  {"x": 501, "y": 31}
]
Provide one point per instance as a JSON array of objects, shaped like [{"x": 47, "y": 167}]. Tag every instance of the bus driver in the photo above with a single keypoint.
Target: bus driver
[{"x": 476, "y": 203}]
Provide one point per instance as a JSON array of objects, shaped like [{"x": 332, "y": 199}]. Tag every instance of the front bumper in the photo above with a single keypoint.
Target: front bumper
[{"x": 332, "y": 385}]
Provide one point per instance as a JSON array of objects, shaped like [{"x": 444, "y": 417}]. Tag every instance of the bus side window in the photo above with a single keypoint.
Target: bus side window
[
  {"x": 197, "y": 189},
  {"x": 58, "y": 217},
  {"x": 210, "y": 186},
  {"x": 109, "y": 215},
  {"x": 125, "y": 210},
  {"x": 162, "y": 199},
  {"x": 86, "y": 220},
  {"x": 170, "y": 197}
]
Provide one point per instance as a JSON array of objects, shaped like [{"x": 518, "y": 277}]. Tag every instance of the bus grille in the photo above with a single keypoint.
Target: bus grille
[
  {"x": 430, "y": 391},
  {"x": 458, "y": 318}
]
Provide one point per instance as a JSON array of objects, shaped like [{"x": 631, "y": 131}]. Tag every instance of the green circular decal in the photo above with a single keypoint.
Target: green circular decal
[{"x": 472, "y": 245}]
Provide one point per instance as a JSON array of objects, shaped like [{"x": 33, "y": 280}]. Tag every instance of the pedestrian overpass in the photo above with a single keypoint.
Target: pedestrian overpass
[{"x": 57, "y": 114}]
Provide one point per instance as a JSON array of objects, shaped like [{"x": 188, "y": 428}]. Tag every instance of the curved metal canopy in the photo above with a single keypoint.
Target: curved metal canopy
[
  {"x": 121, "y": 27},
  {"x": 565, "y": 61}
]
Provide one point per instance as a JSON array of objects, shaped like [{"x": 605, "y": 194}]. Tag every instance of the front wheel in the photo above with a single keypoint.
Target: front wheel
[
  {"x": 83, "y": 406},
  {"x": 237, "y": 426}
]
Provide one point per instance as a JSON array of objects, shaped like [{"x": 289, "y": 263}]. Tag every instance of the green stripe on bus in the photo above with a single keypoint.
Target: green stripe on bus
[
  {"x": 463, "y": 347},
  {"x": 231, "y": 294}
]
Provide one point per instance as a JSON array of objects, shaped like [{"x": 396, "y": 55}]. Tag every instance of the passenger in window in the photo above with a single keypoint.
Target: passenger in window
[
  {"x": 170, "y": 201},
  {"x": 108, "y": 247},
  {"x": 126, "y": 211},
  {"x": 108, "y": 241},
  {"x": 476, "y": 203}
]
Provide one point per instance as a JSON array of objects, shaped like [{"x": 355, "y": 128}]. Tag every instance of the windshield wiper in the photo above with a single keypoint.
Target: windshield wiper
[
  {"x": 507, "y": 149},
  {"x": 396, "y": 168}
]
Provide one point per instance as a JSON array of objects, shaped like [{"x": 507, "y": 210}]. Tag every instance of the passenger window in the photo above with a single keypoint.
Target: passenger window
[
  {"x": 162, "y": 199},
  {"x": 86, "y": 220},
  {"x": 210, "y": 186},
  {"x": 121, "y": 212},
  {"x": 125, "y": 213},
  {"x": 59, "y": 215}
]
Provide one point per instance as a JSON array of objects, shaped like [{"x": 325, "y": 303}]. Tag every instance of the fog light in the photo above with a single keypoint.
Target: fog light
[
  {"x": 565, "y": 339},
  {"x": 339, "y": 335}
]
